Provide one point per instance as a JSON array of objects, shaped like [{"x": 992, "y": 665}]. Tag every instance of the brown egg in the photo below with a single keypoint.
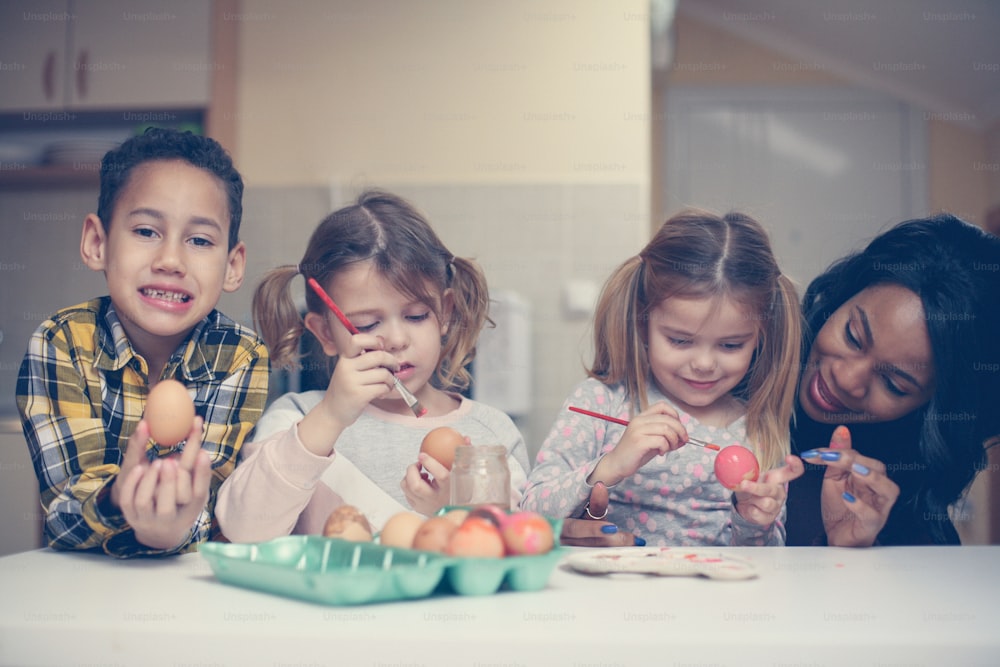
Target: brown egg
[
  {"x": 477, "y": 537},
  {"x": 440, "y": 444},
  {"x": 348, "y": 523},
  {"x": 169, "y": 412},
  {"x": 433, "y": 534},
  {"x": 400, "y": 530}
]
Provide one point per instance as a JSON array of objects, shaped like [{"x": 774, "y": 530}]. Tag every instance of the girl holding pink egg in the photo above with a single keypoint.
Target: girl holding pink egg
[{"x": 696, "y": 340}]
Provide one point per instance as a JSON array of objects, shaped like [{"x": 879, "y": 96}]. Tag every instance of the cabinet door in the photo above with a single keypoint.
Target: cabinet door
[
  {"x": 140, "y": 54},
  {"x": 33, "y": 37}
]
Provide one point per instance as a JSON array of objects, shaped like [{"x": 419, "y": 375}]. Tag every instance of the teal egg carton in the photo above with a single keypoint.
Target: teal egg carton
[{"x": 338, "y": 572}]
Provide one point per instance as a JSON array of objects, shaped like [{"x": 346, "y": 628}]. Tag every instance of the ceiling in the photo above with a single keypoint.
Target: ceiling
[{"x": 943, "y": 56}]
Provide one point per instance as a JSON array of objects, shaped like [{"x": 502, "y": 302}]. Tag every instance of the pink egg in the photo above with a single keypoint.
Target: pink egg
[
  {"x": 735, "y": 464},
  {"x": 527, "y": 534}
]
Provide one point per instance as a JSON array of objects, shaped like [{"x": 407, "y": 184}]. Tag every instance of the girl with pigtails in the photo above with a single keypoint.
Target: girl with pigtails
[
  {"x": 697, "y": 337},
  {"x": 418, "y": 311}
]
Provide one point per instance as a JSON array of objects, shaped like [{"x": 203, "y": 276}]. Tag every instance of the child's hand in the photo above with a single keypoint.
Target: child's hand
[
  {"x": 655, "y": 431},
  {"x": 162, "y": 500},
  {"x": 426, "y": 494},
  {"x": 135, "y": 456},
  {"x": 363, "y": 373},
  {"x": 761, "y": 502}
]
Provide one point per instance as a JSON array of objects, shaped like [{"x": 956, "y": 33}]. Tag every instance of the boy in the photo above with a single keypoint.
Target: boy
[{"x": 166, "y": 237}]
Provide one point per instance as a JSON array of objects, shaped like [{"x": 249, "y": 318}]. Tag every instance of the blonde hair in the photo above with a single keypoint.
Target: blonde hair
[
  {"x": 404, "y": 249},
  {"x": 696, "y": 255}
]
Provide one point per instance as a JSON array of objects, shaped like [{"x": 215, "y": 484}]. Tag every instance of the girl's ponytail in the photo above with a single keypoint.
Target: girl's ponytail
[
  {"x": 470, "y": 299},
  {"x": 276, "y": 317},
  {"x": 619, "y": 353},
  {"x": 773, "y": 376}
]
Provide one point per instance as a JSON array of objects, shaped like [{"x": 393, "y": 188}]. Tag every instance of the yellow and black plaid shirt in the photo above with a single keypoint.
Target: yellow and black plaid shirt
[{"x": 81, "y": 391}]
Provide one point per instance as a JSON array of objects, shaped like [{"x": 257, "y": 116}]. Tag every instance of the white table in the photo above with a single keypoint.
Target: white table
[{"x": 809, "y": 606}]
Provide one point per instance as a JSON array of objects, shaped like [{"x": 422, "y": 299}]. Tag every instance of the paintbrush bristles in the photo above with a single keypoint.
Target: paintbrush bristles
[{"x": 410, "y": 399}]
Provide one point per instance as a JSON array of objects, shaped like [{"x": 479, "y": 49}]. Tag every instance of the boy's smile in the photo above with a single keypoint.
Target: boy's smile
[{"x": 165, "y": 253}]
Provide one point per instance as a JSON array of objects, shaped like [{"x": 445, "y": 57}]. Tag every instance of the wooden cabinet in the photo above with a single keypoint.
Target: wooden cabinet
[
  {"x": 113, "y": 54},
  {"x": 75, "y": 71}
]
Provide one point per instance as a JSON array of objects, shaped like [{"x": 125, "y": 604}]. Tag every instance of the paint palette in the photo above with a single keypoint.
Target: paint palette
[{"x": 663, "y": 561}]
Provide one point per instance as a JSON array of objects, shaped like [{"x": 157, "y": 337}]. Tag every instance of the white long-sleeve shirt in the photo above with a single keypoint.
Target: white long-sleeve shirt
[{"x": 280, "y": 488}]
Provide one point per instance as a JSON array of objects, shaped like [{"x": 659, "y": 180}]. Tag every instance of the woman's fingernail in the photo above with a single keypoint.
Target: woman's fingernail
[
  {"x": 848, "y": 497},
  {"x": 639, "y": 542},
  {"x": 610, "y": 530},
  {"x": 860, "y": 469},
  {"x": 811, "y": 454},
  {"x": 830, "y": 456}
]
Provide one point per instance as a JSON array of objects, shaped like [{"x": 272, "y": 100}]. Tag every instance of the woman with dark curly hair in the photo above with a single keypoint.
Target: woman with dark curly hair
[{"x": 902, "y": 348}]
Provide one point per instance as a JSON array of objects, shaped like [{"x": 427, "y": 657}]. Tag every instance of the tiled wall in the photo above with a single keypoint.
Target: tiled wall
[{"x": 40, "y": 269}]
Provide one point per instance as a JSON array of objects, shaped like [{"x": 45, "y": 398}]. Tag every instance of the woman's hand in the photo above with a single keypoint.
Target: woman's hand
[
  {"x": 590, "y": 532},
  {"x": 761, "y": 502},
  {"x": 857, "y": 495},
  {"x": 653, "y": 432}
]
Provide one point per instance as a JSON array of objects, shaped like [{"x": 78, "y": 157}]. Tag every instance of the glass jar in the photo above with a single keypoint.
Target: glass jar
[{"x": 480, "y": 475}]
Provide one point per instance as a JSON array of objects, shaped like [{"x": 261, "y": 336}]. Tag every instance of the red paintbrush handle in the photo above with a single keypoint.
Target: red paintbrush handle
[
  {"x": 623, "y": 422},
  {"x": 321, "y": 293}
]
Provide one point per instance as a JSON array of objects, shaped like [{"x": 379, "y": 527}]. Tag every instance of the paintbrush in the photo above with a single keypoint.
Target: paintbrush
[
  {"x": 623, "y": 422},
  {"x": 410, "y": 399}
]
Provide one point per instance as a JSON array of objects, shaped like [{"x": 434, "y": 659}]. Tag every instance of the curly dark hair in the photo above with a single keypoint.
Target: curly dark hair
[
  {"x": 167, "y": 144},
  {"x": 954, "y": 267}
]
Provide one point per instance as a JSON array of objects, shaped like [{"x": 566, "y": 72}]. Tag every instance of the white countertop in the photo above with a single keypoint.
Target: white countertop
[{"x": 809, "y": 606}]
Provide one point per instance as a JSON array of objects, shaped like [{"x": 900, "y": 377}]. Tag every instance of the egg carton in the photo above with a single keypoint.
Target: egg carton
[{"x": 338, "y": 572}]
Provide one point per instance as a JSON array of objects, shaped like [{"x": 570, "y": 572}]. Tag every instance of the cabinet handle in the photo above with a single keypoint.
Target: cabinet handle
[
  {"x": 81, "y": 73},
  {"x": 49, "y": 76}
]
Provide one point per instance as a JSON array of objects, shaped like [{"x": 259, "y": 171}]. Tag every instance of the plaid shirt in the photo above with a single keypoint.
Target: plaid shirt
[{"x": 81, "y": 391}]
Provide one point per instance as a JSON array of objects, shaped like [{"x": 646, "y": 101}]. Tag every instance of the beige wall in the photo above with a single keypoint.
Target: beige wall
[
  {"x": 958, "y": 181},
  {"x": 443, "y": 91},
  {"x": 710, "y": 56}
]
